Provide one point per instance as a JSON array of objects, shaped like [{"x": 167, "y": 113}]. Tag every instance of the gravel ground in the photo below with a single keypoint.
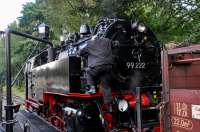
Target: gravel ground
[
  {"x": 35, "y": 123},
  {"x": 16, "y": 100}
]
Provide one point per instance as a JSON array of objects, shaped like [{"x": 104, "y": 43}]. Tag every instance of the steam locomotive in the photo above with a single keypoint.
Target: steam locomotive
[{"x": 56, "y": 82}]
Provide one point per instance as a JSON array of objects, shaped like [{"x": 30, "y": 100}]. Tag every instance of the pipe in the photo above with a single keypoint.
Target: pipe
[
  {"x": 138, "y": 109},
  {"x": 9, "y": 111},
  {"x": 1, "y": 99},
  {"x": 71, "y": 111},
  {"x": 9, "y": 107},
  {"x": 1, "y": 89},
  {"x": 78, "y": 43},
  {"x": 26, "y": 85},
  {"x": 50, "y": 54},
  {"x": 29, "y": 36}
]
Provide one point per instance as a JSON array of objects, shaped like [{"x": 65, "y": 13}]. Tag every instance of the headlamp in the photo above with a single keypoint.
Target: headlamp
[
  {"x": 122, "y": 105},
  {"x": 43, "y": 31},
  {"x": 141, "y": 28},
  {"x": 62, "y": 38}
]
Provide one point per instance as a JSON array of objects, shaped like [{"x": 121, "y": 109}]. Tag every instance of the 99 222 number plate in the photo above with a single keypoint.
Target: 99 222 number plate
[{"x": 136, "y": 65}]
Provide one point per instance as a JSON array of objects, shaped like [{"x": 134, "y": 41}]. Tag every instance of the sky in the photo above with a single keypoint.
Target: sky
[{"x": 10, "y": 10}]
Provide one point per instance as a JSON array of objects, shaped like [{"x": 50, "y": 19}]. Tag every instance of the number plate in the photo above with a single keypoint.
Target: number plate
[{"x": 136, "y": 65}]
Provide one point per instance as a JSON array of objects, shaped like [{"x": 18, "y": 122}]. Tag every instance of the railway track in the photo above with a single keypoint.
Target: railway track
[{"x": 35, "y": 123}]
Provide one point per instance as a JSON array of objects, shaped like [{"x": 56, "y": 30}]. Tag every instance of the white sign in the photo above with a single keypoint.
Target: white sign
[{"x": 196, "y": 112}]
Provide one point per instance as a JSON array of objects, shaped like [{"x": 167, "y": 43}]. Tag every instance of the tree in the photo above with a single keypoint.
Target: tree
[{"x": 171, "y": 20}]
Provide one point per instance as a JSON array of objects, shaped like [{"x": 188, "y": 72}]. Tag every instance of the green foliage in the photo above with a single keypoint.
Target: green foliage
[
  {"x": 171, "y": 20},
  {"x": 18, "y": 91}
]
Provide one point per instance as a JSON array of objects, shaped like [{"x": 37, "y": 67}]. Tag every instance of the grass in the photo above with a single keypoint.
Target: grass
[
  {"x": 19, "y": 91},
  {"x": 16, "y": 91}
]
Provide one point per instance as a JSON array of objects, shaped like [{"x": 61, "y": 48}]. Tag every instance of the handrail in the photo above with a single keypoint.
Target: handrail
[
  {"x": 187, "y": 61},
  {"x": 13, "y": 82}
]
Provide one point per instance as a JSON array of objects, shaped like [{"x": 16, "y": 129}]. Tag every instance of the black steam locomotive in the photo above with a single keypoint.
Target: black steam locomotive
[{"x": 56, "y": 81}]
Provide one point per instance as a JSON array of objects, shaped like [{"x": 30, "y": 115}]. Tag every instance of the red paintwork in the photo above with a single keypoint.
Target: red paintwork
[
  {"x": 132, "y": 102},
  {"x": 145, "y": 100},
  {"x": 157, "y": 129},
  {"x": 109, "y": 118},
  {"x": 49, "y": 97},
  {"x": 181, "y": 81},
  {"x": 56, "y": 99},
  {"x": 188, "y": 60},
  {"x": 35, "y": 105},
  {"x": 188, "y": 49},
  {"x": 31, "y": 104},
  {"x": 182, "y": 120},
  {"x": 76, "y": 95}
]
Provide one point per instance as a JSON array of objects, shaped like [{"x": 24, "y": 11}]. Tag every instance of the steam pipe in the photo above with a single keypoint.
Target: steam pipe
[{"x": 78, "y": 43}]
